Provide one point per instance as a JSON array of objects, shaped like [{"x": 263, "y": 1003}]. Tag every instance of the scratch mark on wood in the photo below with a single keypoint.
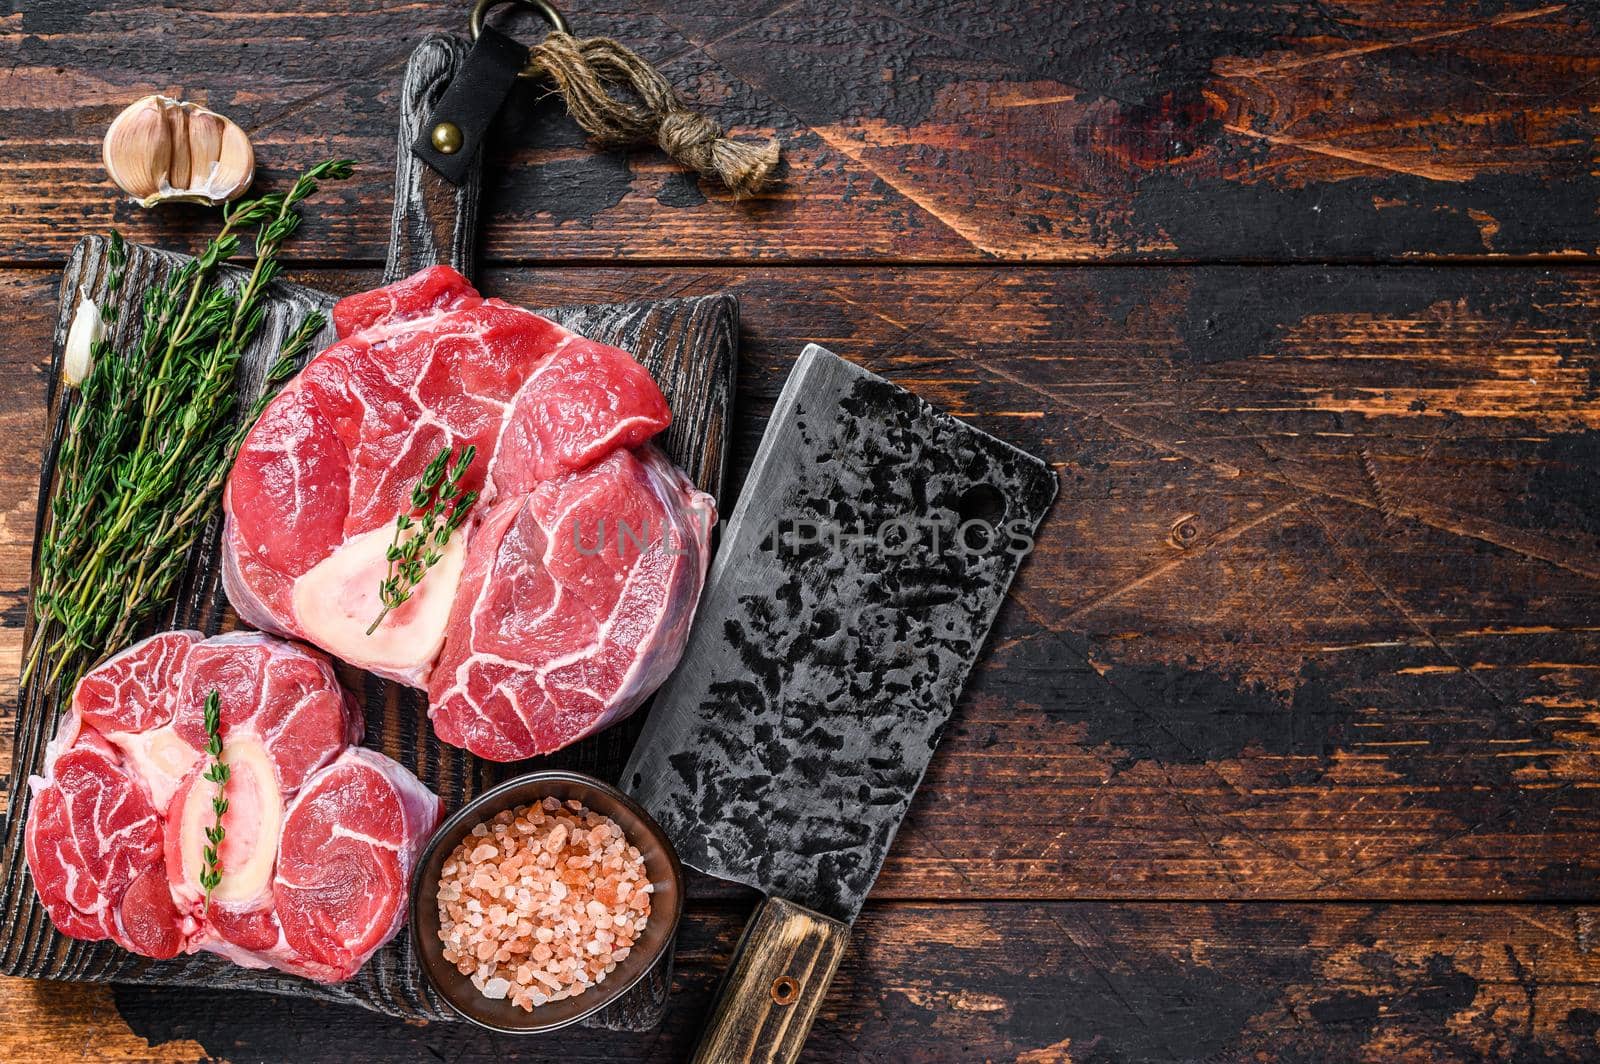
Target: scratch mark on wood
[
  {"x": 1351, "y": 559},
  {"x": 392, "y": 62},
  {"x": 899, "y": 182},
  {"x": 1380, "y": 491},
  {"x": 1227, "y": 535},
  {"x": 1527, "y": 982},
  {"x": 1232, "y": 69},
  {"x": 1431, "y": 171}
]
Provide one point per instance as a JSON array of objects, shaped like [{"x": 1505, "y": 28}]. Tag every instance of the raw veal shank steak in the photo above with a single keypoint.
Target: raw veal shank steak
[
  {"x": 320, "y": 835},
  {"x": 567, "y": 597}
]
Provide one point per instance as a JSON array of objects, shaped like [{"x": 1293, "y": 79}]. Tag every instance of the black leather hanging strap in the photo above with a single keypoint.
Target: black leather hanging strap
[{"x": 454, "y": 134}]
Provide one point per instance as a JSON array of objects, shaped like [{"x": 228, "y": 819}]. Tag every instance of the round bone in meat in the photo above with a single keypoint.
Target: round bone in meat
[{"x": 117, "y": 824}]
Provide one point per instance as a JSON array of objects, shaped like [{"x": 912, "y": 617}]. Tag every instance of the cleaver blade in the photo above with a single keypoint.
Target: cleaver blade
[{"x": 871, "y": 547}]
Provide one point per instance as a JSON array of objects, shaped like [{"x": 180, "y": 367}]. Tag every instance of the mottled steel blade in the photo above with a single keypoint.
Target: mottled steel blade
[{"x": 830, "y": 647}]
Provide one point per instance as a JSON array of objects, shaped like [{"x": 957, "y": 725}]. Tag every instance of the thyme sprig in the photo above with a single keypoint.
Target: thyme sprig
[
  {"x": 438, "y": 508},
  {"x": 218, "y": 773},
  {"x": 150, "y": 436}
]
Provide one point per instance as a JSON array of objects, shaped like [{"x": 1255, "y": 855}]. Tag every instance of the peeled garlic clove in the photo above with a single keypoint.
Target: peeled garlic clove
[
  {"x": 161, "y": 149},
  {"x": 86, "y": 330}
]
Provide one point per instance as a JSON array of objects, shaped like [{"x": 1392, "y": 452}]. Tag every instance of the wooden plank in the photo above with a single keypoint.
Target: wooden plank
[
  {"x": 1313, "y": 617},
  {"x": 689, "y": 347},
  {"x": 914, "y": 129},
  {"x": 1043, "y": 983}
]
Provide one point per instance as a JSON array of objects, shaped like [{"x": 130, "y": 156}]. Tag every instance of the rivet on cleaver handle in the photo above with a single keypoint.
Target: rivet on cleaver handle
[{"x": 774, "y": 989}]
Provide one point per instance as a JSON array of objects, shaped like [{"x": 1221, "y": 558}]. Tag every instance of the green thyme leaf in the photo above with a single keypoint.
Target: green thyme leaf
[
  {"x": 217, "y": 772},
  {"x": 436, "y": 493},
  {"x": 150, "y": 435}
]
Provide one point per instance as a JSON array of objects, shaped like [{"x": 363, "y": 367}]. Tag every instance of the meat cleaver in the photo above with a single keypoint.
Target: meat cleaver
[{"x": 871, "y": 547}]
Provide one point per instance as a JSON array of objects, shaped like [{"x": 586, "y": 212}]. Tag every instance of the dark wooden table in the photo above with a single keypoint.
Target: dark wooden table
[{"x": 1287, "y": 745}]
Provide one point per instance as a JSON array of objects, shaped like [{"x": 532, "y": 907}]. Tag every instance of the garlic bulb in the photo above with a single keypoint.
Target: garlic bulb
[
  {"x": 86, "y": 330},
  {"x": 164, "y": 149}
]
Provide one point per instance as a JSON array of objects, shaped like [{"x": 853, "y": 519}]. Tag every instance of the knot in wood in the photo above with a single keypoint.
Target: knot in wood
[{"x": 1185, "y": 533}]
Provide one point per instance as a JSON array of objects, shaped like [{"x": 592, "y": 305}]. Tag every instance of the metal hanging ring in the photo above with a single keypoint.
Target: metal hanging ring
[{"x": 543, "y": 8}]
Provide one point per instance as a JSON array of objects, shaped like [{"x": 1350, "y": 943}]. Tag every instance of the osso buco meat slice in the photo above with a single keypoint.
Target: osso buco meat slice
[
  {"x": 319, "y": 835},
  {"x": 561, "y": 425}
]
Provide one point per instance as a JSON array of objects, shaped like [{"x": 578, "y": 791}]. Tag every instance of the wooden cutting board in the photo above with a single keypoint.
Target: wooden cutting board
[{"x": 689, "y": 345}]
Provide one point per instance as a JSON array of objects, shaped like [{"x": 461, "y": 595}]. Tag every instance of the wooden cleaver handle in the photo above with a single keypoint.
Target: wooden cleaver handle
[{"x": 774, "y": 989}]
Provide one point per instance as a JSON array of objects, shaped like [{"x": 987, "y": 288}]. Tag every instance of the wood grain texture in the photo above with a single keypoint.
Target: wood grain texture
[
  {"x": 687, "y": 344},
  {"x": 1314, "y": 622},
  {"x": 1310, "y": 622},
  {"x": 433, "y": 221},
  {"x": 1033, "y": 982},
  {"x": 1313, "y": 617},
  {"x": 935, "y": 130},
  {"x": 775, "y": 985}
]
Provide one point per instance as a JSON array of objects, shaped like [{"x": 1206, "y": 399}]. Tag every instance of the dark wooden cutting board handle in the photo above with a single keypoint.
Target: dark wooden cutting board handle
[
  {"x": 774, "y": 987},
  {"x": 434, "y": 221}
]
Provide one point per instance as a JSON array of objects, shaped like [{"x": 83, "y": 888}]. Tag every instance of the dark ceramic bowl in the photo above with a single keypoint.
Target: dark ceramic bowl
[{"x": 666, "y": 904}]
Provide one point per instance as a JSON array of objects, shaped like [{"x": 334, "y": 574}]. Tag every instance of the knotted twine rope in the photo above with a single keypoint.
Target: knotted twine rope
[{"x": 584, "y": 72}]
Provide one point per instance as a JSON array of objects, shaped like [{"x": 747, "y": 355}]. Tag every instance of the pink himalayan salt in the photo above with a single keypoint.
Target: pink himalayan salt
[{"x": 542, "y": 902}]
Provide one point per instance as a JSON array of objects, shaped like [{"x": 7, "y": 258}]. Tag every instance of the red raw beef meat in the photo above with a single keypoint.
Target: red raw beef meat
[
  {"x": 320, "y": 835},
  {"x": 430, "y": 290},
  {"x": 562, "y": 426},
  {"x": 561, "y": 601}
]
